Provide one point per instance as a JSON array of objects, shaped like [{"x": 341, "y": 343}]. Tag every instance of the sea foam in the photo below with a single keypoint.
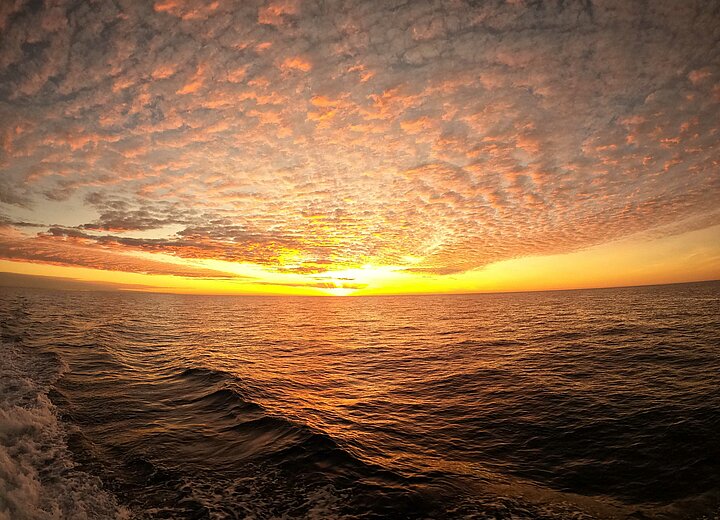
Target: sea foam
[{"x": 38, "y": 478}]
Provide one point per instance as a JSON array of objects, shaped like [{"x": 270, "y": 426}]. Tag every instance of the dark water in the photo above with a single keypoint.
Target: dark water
[{"x": 582, "y": 404}]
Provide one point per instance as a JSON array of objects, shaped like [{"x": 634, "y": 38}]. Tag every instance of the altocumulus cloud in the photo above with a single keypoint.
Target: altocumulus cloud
[{"x": 455, "y": 132}]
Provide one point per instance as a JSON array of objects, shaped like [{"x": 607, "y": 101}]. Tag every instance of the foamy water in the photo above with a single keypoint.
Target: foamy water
[
  {"x": 38, "y": 477},
  {"x": 586, "y": 404}
]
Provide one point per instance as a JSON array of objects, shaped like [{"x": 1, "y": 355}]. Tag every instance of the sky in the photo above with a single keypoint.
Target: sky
[{"x": 359, "y": 147}]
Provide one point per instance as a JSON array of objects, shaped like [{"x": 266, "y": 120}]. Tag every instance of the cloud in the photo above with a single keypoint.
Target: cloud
[
  {"x": 315, "y": 285},
  {"x": 74, "y": 249},
  {"x": 308, "y": 136},
  {"x": 52, "y": 282}
]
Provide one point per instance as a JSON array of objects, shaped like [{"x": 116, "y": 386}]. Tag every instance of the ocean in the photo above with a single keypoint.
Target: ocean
[{"x": 550, "y": 405}]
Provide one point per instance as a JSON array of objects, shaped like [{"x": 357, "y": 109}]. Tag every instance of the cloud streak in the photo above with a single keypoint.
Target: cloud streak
[{"x": 71, "y": 250}]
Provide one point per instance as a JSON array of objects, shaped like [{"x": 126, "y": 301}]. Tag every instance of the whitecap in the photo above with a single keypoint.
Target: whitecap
[{"x": 38, "y": 478}]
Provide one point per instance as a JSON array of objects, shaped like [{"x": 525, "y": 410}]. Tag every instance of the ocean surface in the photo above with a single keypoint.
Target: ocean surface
[{"x": 556, "y": 405}]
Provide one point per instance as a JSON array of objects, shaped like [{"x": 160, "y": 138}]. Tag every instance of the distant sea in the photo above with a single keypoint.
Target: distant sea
[{"x": 554, "y": 405}]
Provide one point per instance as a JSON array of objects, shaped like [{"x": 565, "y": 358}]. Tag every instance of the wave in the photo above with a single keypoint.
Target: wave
[
  {"x": 38, "y": 478},
  {"x": 205, "y": 375},
  {"x": 300, "y": 456},
  {"x": 261, "y": 432}
]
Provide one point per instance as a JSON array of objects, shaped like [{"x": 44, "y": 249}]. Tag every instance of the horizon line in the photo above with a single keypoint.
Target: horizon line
[{"x": 91, "y": 286}]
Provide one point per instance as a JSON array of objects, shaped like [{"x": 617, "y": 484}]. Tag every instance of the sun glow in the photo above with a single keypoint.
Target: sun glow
[
  {"x": 688, "y": 256},
  {"x": 349, "y": 281},
  {"x": 339, "y": 291}
]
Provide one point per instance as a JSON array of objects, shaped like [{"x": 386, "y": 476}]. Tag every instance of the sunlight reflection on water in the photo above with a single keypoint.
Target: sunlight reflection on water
[{"x": 397, "y": 403}]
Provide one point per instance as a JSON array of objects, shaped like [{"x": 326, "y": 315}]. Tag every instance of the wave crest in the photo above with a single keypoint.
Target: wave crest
[{"x": 38, "y": 478}]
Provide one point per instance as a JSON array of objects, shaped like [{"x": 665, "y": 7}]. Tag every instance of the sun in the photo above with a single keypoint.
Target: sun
[{"x": 339, "y": 291}]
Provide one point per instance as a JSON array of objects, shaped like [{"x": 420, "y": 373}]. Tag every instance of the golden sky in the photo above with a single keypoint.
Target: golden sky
[{"x": 359, "y": 147}]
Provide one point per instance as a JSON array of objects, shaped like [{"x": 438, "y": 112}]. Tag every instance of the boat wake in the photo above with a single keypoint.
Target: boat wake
[{"x": 38, "y": 478}]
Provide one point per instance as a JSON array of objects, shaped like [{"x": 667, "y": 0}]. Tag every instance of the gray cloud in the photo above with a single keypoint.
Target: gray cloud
[{"x": 53, "y": 282}]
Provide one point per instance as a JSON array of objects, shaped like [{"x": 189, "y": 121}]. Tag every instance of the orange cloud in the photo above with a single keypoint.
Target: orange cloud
[
  {"x": 339, "y": 138},
  {"x": 274, "y": 12},
  {"x": 195, "y": 83},
  {"x": 296, "y": 63}
]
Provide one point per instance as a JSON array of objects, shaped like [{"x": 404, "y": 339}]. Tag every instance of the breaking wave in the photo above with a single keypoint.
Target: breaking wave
[{"x": 38, "y": 478}]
